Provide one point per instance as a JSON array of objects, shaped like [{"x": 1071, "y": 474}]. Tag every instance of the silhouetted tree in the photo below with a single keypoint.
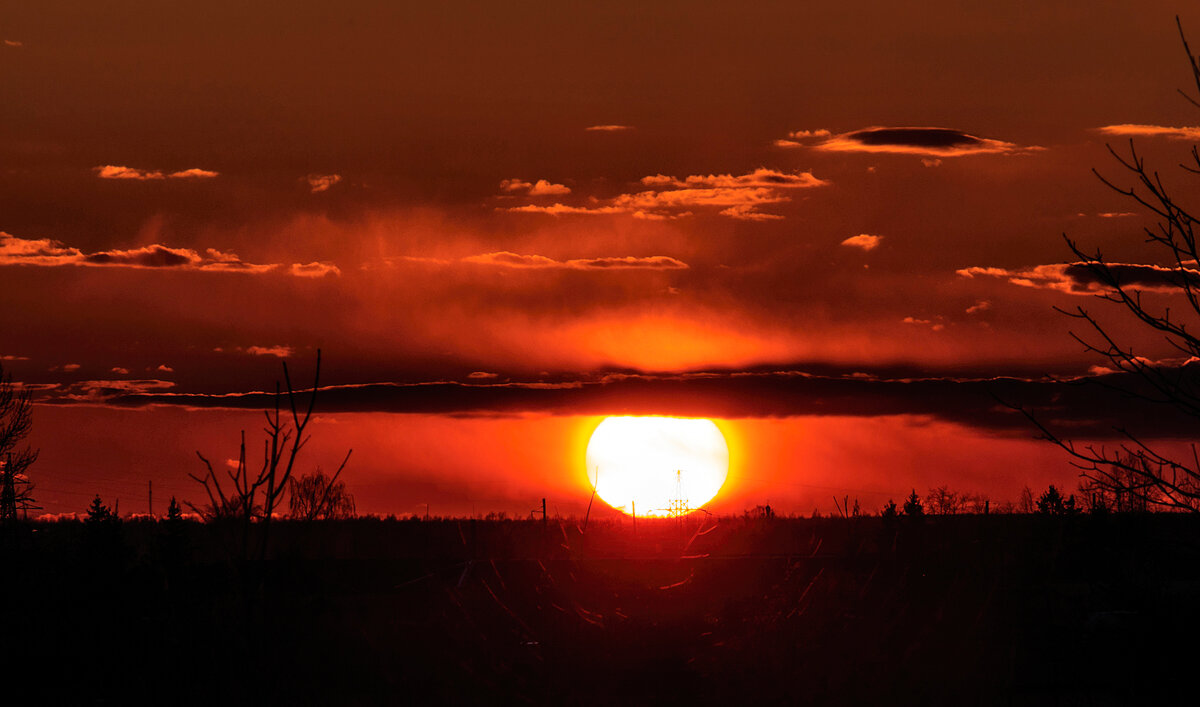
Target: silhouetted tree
[
  {"x": 319, "y": 497},
  {"x": 912, "y": 505},
  {"x": 16, "y": 422},
  {"x": 890, "y": 511},
  {"x": 976, "y": 502},
  {"x": 1126, "y": 492},
  {"x": 1135, "y": 466},
  {"x": 254, "y": 496},
  {"x": 1026, "y": 504},
  {"x": 1052, "y": 503},
  {"x": 98, "y": 513},
  {"x": 174, "y": 512},
  {"x": 943, "y": 501}
]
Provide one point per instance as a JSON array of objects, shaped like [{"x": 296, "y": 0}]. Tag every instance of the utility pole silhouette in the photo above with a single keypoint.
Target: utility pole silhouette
[
  {"x": 150, "y": 503},
  {"x": 679, "y": 505}
]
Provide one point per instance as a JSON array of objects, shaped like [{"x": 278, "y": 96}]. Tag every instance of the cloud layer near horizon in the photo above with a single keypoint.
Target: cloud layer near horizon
[{"x": 1080, "y": 405}]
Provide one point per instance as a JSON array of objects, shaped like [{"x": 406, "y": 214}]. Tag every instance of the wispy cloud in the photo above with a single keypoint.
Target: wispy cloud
[
  {"x": 44, "y": 252},
  {"x": 318, "y": 183},
  {"x": 759, "y": 178},
  {"x": 1079, "y": 279},
  {"x": 608, "y": 128},
  {"x": 935, "y": 142},
  {"x": 1136, "y": 130},
  {"x": 865, "y": 241},
  {"x": 746, "y": 212},
  {"x": 314, "y": 269},
  {"x": 13, "y": 43},
  {"x": 98, "y": 391},
  {"x": 559, "y": 209},
  {"x": 931, "y": 323},
  {"x": 276, "y": 351},
  {"x": 668, "y": 197},
  {"x": 513, "y": 260},
  {"x": 798, "y": 138},
  {"x": 110, "y": 171}
]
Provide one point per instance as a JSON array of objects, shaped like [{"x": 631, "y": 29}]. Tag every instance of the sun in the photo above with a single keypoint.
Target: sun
[{"x": 657, "y": 466}]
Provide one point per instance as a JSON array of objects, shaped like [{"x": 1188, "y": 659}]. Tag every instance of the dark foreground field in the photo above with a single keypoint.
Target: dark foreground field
[{"x": 987, "y": 610}]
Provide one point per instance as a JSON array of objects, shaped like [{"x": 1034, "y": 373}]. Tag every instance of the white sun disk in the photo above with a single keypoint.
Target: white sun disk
[{"x": 653, "y": 463}]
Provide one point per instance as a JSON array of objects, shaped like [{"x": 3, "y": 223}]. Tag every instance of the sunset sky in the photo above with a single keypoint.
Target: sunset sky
[{"x": 829, "y": 228}]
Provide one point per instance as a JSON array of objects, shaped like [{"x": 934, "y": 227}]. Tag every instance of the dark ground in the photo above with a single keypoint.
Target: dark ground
[{"x": 1002, "y": 609}]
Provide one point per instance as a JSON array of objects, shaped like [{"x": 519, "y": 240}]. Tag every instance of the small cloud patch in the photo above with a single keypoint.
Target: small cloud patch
[
  {"x": 276, "y": 351},
  {"x": 541, "y": 187},
  {"x": 864, "y": 241},
  {"x": 318, "y": 183}
]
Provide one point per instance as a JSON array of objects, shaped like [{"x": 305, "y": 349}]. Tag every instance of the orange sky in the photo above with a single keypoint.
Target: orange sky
[{"x": 512, "y": 201}]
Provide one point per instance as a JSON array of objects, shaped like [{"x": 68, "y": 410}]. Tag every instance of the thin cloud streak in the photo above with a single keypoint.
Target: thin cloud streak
[
  {"x": 45, "y": 252},
  {"x": 507, "y": 259},
  {"x": 734, "y": 196},
  {"x": 1137, "y": 130},
  {"x": 1080, "y": 279},
  {"x": 132, "y": 173},
  {"x": 513, "y": 260}
]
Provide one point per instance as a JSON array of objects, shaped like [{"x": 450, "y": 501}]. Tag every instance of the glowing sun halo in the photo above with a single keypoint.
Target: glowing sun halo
[{"x": 633, "y": 462}]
